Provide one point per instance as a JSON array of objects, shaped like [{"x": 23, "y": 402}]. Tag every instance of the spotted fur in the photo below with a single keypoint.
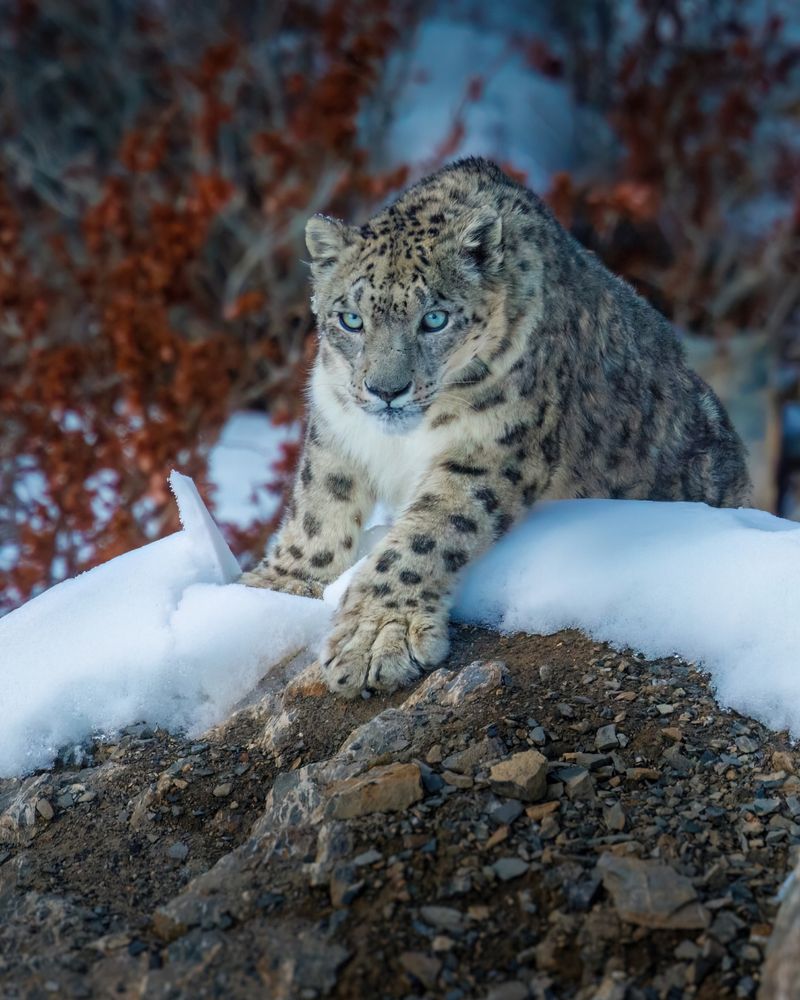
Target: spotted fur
[{"x": 552, "y": 379}]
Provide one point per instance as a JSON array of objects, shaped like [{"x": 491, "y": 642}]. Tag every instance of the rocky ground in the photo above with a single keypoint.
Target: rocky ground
[{"x": 546, "y": 818}]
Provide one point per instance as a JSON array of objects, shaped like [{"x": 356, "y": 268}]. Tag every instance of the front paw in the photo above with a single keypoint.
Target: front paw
[
  {"x": 271, "y": 578},
  {"x": 378, "y": 648}
]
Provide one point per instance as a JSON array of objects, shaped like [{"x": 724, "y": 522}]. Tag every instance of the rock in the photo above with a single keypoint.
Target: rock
[
  {"x": 538, "y": 812},
  {"x": 579, "y": 786},
  {"x": 465, "y": 761},
  {"x": 344, "y": 885},
  {"x": 178, "y": 851},
  {"x": 781, "y": 971},
  {"x": 424, "y": 968},
  {"x": 782, "y": 760},
  {"x": 642, "y": 774},
  {"x": 678, "y": 761},
  {"x": 44, "y": 809},
  {"x": 746, "y": 745},
  {"x": 386, "y": 788},
  {"x": 295, "y": 960},
  {"x": 457, "y": 780},
  {"x": 445, "y": 918},
  {"x": 509, "y": 868},
  {"x": 521, "y": 776},
  {"x": 606, "y": 738},
  {"x": 367, "y": 858},
  {"x": 504, "y": 813},
  {"x": 765, "y": 807},
  {"x": 449, "y": 689},
  {"x": 307, "y": 684},
  {"x": 222, "y": 790},
  {"x": 539, "y": 736},
  {"x": 614, "y": 817},
  {"x": 651, "y": 894}
]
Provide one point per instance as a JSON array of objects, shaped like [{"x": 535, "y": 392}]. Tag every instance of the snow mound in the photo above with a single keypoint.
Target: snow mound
[
  {"x": 163, "y": 633},
  {"x": 159, "y": 634},
  {"x": 717, "y": 587}
]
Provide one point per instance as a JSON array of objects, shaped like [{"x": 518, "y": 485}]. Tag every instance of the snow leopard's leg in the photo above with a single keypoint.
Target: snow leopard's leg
[
  {"x": 393, "y": 620},
  {"x": 318, "y": 538}
]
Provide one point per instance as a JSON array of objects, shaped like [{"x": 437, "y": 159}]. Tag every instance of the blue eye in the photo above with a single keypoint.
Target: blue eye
[
  {"x": 351, "y": 322},
  {"x": 435, "y": 320}
]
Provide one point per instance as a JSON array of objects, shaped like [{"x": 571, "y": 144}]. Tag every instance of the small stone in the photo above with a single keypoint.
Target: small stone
[
  {"x": 386, "y": 788},
  {"x": 499, "y": 835},
  {"x": 44, "y": 809},
  {"x": 765, "y": 807},
  {"x": 504, "y": 813},
  {"x": 465, "y": 761},
  {"x": 308, "y": 684},
  {"x": 509, "y": 868},
  {"x": 434, "y": 755},
  {"x": 782, "y": 760},
  {"x": 614, "y": 817},
  {"x": 538, "y": 812},
  {"x": 642, "y": 774},
  {"x": 521, "y": 776},
  {"x": 677, "y": 761},
  {"x": 549, "y": 828},
  {"x": 222, "y": 790},
  {"x": 726, "y": 927},
  {"x": 178, "y": 851},
  {"x": 580, "y": 787},
  {"x": 538, "y": 736},
  {"x": 606, "y": 738},
  {"x": 745, "y": 744},
  {"x": 457, "y": 780},
  {"x": 664, "y": 709},
  {"x": 672, "y": 733},
  {"x": 565, "y": 711},
  {"x": 651, "y": 894},
  {"x": 367, "y": 858},
  {"x": 424, "y": 968},
  {"x": 687, "y": 951},
  {"x": 344, "y": 886},
  {"x": 445, "y": 918}
]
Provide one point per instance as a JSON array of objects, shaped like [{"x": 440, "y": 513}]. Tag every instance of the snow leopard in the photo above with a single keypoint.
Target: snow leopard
[{"x": 473, "y": 359}]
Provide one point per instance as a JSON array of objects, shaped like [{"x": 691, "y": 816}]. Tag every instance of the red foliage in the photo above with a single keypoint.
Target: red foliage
[
  {"x": 693, "y": 101},
  {"x": 138, "y": 313}
]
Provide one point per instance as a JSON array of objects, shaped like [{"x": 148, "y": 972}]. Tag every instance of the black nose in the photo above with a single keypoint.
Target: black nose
[{"x": 387, "y": 395}]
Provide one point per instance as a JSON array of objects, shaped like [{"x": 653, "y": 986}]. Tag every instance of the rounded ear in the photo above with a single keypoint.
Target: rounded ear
[
  {"x": 325, "y": 238},
  {"x": 482, "y": 239}
]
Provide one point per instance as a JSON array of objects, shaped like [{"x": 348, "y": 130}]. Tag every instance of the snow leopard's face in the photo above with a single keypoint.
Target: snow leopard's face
[{"x": 404, "y": 307}]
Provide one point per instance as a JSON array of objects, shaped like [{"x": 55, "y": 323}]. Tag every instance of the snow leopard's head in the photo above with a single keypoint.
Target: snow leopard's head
[{"x": 408, "y": 306}]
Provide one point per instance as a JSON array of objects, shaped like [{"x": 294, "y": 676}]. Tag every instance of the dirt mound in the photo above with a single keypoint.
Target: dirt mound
[{"x": 545, "y": 818}]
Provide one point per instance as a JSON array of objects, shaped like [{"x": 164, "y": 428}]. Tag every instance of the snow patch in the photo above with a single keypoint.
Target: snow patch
[
  {"x": 161, "y": 634},
  {"x": 240, "y": 467},
  {"x": 164, "y": 634},
  {"x": 717, "y": 587}
]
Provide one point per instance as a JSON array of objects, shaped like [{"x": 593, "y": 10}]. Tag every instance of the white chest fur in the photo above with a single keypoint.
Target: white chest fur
[{"x": 394, "y": 462}]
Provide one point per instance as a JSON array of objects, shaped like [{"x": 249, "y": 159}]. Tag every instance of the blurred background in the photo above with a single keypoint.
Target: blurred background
[{"x": 158, "y": 161}]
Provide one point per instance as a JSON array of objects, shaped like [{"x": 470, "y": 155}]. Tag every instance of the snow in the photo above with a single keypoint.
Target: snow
[
  {"x": 160, "y": 634},
  {"x": 717, "y": 587},
  {"x": 240, "y": 467},
  {"x": 522, "y": 117},
  {"x": 165, "y": 635}
]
